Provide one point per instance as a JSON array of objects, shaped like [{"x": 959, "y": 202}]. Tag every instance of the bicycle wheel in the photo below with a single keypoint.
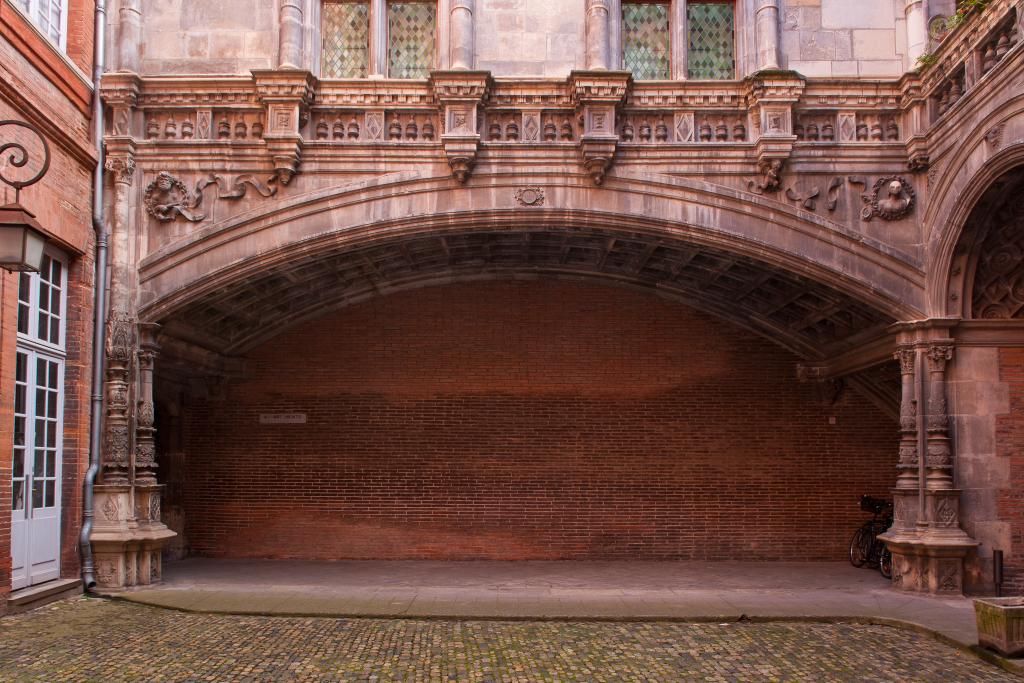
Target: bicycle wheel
[
  {"x": 885, "y": 563},
  {"x": 860, "y": 546}
]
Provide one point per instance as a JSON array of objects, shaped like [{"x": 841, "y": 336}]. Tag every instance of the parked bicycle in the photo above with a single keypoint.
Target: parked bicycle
[{"x": 865, "y": 548}]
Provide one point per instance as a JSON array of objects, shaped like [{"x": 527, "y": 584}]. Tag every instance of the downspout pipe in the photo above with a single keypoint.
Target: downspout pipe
[{"x": 99, "y": 338}]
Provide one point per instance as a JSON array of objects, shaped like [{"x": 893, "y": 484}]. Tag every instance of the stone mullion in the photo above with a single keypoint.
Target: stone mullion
[{"x": 378, "y": 57}]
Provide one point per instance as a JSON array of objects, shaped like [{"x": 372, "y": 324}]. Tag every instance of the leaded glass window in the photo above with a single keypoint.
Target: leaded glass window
[
  {"x": 646, "y": 40},
  {"x": 346, "y": 39},
  {"x": 711, "y": 51},
  {"x": 411, "y": 29}
]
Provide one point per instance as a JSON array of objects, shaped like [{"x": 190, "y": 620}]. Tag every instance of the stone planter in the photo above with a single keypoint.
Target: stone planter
[{"x": 1001, "y": 625}]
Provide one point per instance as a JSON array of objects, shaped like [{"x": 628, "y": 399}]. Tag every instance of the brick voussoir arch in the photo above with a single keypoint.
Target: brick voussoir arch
[{"x": 406, "y": 204}]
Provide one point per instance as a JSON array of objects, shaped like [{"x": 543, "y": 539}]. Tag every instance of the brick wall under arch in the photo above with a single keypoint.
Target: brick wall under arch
[{"x": 526, "y": 420}]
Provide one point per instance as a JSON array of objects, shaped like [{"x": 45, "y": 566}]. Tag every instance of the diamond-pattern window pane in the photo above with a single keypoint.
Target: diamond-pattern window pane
[
  {"x": 411, "y": 29},
  {"x": 711, "y": 52},
  {"x": 346, "y": 34},
  {"x": 646, "y": 40}
]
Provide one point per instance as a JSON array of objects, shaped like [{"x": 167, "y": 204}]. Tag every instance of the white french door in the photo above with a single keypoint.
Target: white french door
[{"x": 38, "y": 427}]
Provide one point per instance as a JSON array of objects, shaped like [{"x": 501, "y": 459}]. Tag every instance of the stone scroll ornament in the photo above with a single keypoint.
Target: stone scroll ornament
[
  {"x": 167, "y": 197},
  {"x": 891, "y": 198}
]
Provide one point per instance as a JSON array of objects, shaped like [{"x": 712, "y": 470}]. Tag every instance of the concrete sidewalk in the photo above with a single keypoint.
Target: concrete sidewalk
[{"x": 695, "y": 591}]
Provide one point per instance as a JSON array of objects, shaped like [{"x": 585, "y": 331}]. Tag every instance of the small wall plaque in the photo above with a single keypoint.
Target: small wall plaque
[{"x": 282, "y": 418}]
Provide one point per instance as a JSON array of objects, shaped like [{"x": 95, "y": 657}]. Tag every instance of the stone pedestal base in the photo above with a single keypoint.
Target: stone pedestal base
[
  {"x": 923, "y": 566},
  {"x": 128, "y": 536}
]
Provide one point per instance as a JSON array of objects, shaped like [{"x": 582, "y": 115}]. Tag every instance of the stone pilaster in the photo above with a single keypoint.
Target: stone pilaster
[
  {"x": 766, "y": 28},
  {"x": 597, "y": 32},
  {"x": 289, "y": 53},
  {"x": 917, "y": 30},
  {"x": 928, "y": 554},
  {"x": 461, "y": 42},
  {"x": 129, "y": 35}
]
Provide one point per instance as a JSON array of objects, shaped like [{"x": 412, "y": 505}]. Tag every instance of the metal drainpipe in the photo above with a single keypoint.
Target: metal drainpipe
[{"x": 99, "y": 338}]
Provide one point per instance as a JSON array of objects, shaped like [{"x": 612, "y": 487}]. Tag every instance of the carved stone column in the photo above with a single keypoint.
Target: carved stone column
[
  {"x": 939, "y": 463},
  {"x": 461, "y": 41},
  {"x": 289, "y": 55},
  {"x": 145, "y": 448},
  {"x": 129, "y": 35},
  {"x": 597, "y": 26},
  {"x": 905, "y": 496},
  {"x": 120, "y": 321},
  {"x": 767, "y": 34},
  {"x": 917, "y": 30}
]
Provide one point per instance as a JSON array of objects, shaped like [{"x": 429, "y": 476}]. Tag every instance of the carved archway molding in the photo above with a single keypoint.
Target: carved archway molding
[
  {"x": 406, "y": 205},
  {"x": 956, "y": 196}
]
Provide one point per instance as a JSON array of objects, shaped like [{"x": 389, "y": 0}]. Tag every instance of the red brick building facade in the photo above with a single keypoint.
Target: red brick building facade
[
  {"x": 574, "y": 305},
  {"x": 45, "y": 82}
]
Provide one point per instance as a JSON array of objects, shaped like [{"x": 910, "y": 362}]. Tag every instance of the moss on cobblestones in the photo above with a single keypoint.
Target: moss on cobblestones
[{"x": 96, "y": 640}]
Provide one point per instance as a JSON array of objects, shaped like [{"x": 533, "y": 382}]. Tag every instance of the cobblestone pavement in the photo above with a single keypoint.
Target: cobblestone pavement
[{"x": 87, "y": 639}]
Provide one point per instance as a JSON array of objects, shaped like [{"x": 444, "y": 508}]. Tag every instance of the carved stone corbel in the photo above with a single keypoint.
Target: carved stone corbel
[
  {"x": 597, "y": 96},
  {"x": 287, "y": 95},
  {"x": 771, "y": 96},
  {"x": 461, "y": 94}
]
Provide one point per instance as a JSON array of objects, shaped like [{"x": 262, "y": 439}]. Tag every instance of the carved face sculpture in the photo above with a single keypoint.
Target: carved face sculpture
[
  {"x": 164, "y": 183},
  {"x": 895, "y": 189}
]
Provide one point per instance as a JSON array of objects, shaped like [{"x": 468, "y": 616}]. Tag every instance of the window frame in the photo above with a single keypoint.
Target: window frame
[
  {"x": 30, "y": 10},
  {"x": 369, "y": 38},
  {"x": 679, "y": 37},
  {"x": 378, "y": 38}
]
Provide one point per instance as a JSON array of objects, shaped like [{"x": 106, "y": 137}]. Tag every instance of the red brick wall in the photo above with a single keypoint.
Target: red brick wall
[
  {"x": 8, "y": 337},
  {"x": 520, "y": 420},
  {"x": 1009, "y": 440}
]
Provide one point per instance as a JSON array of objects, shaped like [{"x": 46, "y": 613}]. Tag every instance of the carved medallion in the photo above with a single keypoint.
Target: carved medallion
[
  {"x": 891, "y": 199},
  {"x": 530, "y": 196},
  {"x": 166, "y": 198},
  {"x": 110, "y": 510}
]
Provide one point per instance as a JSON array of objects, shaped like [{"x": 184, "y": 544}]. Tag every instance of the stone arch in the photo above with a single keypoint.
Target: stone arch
[
  {"x": 960, "y": 184},
  {"x": 642, "y": 225}
]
